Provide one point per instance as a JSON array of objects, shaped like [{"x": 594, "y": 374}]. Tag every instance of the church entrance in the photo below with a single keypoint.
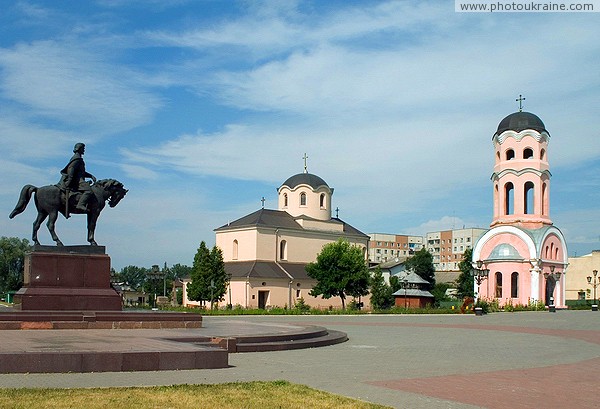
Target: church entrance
[
  {"x": 550, "y": 285},
  {"x": 263, "y": 298}
]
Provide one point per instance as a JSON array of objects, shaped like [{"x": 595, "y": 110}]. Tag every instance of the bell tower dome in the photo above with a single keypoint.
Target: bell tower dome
[{"x": 521, "y": 177}]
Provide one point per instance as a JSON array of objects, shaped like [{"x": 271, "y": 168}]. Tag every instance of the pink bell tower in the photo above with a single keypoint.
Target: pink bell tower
[
  {"x": 521, "y": 175},
  {"x": 523, "y": 253}
]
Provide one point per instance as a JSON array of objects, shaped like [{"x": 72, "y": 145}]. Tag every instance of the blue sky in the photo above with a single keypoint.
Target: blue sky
[{"x": 203, "y": 107}]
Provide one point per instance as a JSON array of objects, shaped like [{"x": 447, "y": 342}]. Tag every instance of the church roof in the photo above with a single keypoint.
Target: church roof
[
  {"x": 309, "y": 179},
  {"x": 266, "y": 269},
  {"x": 519, "y": 121},
  {"x": 265, "y": 218},
  {"x": 504, "y": 251},
  {"x": 282, "y": 219}
]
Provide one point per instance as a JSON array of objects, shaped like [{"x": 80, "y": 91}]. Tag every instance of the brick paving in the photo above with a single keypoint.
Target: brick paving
[{"x": 521, "y": 360}]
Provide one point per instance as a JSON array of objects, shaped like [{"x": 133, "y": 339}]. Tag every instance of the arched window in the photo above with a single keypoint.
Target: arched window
[
  {"x": 551, "y": 249},
  {"x": 544, "y": 200},
  {"x": 556, "y": 253},
  {"x": 285, "y": 200},
  {"x": 498, "y": 156},
  {"x": 514, "y": 285},
  {"x": 322, "y": 200},
  {"x": 510, "y": 154},
  {"x": 542, "y": 154},
  {"x": 528, "y": 203},
  {"x": 547, "y": 252},
  {"x": 509, "y": 199},
  {"x": 302, "y": 199},
  {"x": 283, "y": 250},
  {"x": 498, "y": 284},
  {"x": 528, "y": 153},
  {"x": 235, "y": 250}
]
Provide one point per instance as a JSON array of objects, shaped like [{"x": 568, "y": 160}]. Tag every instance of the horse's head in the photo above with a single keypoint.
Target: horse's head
[{"x": 115, "y": 190}]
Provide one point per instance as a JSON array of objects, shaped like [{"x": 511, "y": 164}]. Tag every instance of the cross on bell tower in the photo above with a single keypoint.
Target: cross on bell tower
[{"x": 520, "y": 101}]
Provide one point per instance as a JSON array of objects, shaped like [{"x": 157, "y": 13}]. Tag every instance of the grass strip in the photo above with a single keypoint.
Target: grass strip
[{"x": 239, "y": 395}]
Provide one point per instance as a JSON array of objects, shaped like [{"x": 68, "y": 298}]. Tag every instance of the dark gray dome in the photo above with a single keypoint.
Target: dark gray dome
[
  {"x": 305, "y": 179},
  {"x": 520, "y": 121}
]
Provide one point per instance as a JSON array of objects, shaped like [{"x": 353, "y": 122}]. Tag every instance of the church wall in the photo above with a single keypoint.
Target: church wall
[
  {"x": 246, "y": 244},
  {"x": 490, "y": 289}
]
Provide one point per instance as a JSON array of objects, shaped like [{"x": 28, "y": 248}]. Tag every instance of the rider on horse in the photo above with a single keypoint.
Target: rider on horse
[{"x": 73, "y": 179}]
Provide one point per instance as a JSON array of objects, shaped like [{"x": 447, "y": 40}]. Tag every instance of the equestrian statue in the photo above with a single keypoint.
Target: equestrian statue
[{"x": 73, "y": 194}]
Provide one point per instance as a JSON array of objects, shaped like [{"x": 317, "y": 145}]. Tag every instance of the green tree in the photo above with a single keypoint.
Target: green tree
[
  {"x": 179, "y": 271},
  {"x": 197, "y": 289},
  {"x": 422, "y": 264},
  {"x": 209, "y": 280},
  {"x": 340, "y": 271},
  {"x": 395, "y": 284},
  {"x": 12, "y": 259},
  {"x": 218, "y": 277},
  {"x": 381, "y": 293},
  {"x": 464, "y": 283},
  {"x": 133, "y": 276},
  {"x": 439, "y": 293}
]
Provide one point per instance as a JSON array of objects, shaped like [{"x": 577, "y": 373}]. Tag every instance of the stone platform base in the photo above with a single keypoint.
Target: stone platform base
[{"x": 97, "y": 320}]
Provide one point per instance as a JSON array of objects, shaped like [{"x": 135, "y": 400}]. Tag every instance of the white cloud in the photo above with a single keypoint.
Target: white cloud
[{"x": 62, "y": 81}]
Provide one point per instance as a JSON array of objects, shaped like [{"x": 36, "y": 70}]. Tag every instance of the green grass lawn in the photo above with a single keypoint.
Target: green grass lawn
[{"x": 263, "y": 395}]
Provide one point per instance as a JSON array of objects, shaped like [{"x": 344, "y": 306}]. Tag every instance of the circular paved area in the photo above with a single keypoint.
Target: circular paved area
[{"x": 517, "y": 360}]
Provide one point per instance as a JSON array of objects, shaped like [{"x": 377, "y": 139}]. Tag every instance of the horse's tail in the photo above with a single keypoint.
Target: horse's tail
[{"x": 24, "y": 198}]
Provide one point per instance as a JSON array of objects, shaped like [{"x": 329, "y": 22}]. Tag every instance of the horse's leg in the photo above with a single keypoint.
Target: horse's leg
[
  {"x": 36, "y": 225},
  {"x": 91, "y": 225},
  {"x": 51, "y": 222}
]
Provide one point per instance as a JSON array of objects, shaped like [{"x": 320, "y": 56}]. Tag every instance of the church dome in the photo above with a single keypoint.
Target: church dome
[
  {"x": 309, "y": 179},
  {"x": 505, "y": 251},
  {"x": 520, "y": 121}
]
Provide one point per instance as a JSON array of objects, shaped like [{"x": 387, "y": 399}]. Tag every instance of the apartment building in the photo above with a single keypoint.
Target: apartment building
[
  {"x": 385, "y": 247},
  {"x": 447, "y": 247}
]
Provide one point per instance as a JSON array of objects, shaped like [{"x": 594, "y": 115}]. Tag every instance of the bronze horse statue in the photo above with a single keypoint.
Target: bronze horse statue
[{"x": 50, "y": 200}]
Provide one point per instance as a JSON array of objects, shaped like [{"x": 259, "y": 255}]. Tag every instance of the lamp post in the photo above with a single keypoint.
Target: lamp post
[
  {"x": 405, "y": 282},
  {"x": 479, "y": 274},
  {"x": 556, "y": 277},
  {"x": 153, "y": 275},
  {"x": 594, "y": 284}
]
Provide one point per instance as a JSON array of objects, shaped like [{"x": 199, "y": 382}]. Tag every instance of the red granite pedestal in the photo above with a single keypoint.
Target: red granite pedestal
[{"x": 67, "y": 278}]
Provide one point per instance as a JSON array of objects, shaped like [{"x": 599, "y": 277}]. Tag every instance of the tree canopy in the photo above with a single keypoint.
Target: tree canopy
[
  {"x": 340, "y": 271},
  {"x": 464, "y": 283},
  {"x": 12, "y": 256},
  {"x": 422, "y": 264},
  {"x": 208, "y": 277},
  {"x": 381, "y": 293}
]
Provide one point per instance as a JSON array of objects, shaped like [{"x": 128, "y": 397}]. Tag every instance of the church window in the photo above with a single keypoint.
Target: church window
[
  {"x": 283, "y": 250},
  {"x": 556, "y": 253},
  {"x": 542, "y": 153},
  {"x": 547, "y": 252},
  {"x": 514, "y": 285},
  {"x": 285, "y": 200},
  {"x": 322, "y": 201},
  {"x": 544, "y": 200},
  {"x": 528, "y": 153},
  {"x": 302, "y": 199},
  {"x": 510, "y": 154},
  {"x": 528, "y": 204},
  {"x": 498, "y": 284},
  {"x": 509, "y": 201},
  {"x": 235, "y": 250},
  {"x": 498, "y": 156}
]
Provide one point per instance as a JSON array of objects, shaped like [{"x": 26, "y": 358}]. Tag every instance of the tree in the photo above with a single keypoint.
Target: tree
[
  {"x": 218, "y": 278},
  {"x": 133, "y": 276},
  {"x": 12, "y": 260},
  {"x": 340, "y": 271},
  {"x": 209, "y": 280},
  {"x": 381, "y": 293},
  {"x": 422, "y": 264},
  {"x": 464, "y": 283},
  {"x": 197, "y": 288},
  {"x": 179, "y": 271}
]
